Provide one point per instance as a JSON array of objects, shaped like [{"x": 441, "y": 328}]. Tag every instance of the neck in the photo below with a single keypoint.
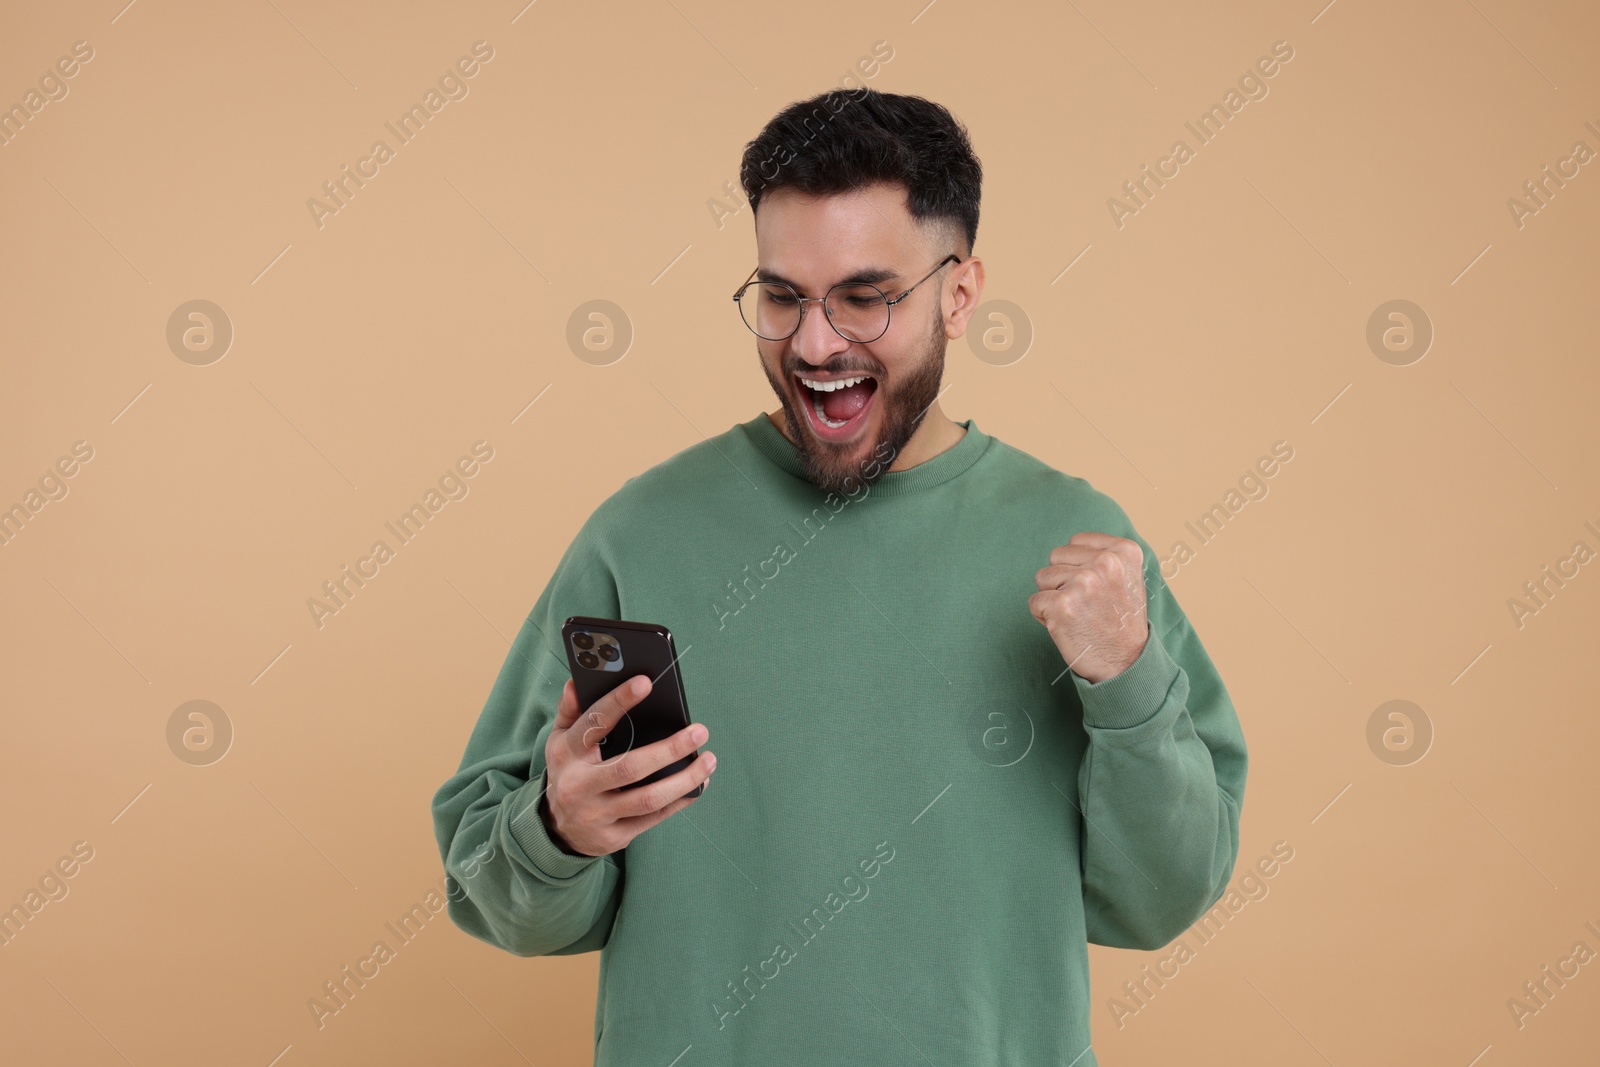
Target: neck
[{"x": 936, "y": 433}]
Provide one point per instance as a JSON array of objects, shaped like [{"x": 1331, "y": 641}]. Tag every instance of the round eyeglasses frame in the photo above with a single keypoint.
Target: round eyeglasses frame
[{"x": 804, "y": 300}]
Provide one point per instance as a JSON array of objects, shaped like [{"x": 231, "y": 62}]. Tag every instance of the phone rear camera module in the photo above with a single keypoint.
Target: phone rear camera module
[{"x": 600, "y": 651}]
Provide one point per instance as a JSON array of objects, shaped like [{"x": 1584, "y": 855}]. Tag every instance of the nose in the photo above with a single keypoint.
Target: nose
[{"x": 816, "y": 341}]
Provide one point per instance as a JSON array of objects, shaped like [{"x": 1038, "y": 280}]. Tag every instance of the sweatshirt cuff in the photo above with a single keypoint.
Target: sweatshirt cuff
[
  {"x": 1135, "y": 695},
  {"x": 528, "y": 831}
]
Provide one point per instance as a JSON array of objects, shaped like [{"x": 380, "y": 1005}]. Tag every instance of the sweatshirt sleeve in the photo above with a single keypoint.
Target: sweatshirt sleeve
[
  {"x": 508, "y": 883},
  {"x": 1161, "y": 784}
]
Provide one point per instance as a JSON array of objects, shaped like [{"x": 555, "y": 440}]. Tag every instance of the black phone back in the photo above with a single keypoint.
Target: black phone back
[{"x": 604, "y": 653}]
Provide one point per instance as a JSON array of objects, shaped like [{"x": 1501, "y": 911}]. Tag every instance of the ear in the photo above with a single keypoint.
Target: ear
[{"x": 964, "y": 296}]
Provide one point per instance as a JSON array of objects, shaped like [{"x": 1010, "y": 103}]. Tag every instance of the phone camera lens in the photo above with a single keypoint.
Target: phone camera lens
[
  {"x": 609, "y": 653},
  {"x": 588, "y": 659},
  {"x": 582, "y": 640}
]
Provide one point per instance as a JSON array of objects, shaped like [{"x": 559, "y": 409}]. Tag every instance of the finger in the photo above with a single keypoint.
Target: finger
[
  {"x": 1076, "y": 555},
  {"x": 1124, "y": 560},
  {"x": 1047, "y": 605},
  {"x": 595, "y": 722},
  {"x": 1095, "y": 539},
  {"x": 1124, "y": 548},
  {"x": 637, "y": 826},
  {"x": 622, "y": 771},
  {"x": 640, "y": 823},
  {"x": 1059, "y": 576},
  {"x": 634, "y": 765}
]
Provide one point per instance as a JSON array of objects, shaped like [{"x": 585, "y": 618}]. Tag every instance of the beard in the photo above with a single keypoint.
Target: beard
[{"x": 834, "y": 468}]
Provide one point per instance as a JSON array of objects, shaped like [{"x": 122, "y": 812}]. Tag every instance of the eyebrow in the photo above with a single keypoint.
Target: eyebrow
[{"x": 870, "y": 275}]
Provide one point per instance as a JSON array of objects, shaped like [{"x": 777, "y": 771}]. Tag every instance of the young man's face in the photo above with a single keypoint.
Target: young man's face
[{"x": 814, "y": 243}]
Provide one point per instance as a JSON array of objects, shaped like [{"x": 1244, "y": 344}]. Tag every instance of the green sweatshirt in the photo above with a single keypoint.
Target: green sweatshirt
[{"x": 919, "y": 817}]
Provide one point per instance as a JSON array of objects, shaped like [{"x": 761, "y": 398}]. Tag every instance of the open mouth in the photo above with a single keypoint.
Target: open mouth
[{"x": 837, "y": 407}]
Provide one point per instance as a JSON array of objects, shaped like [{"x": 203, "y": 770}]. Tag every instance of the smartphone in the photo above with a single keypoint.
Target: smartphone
[{"x": 604, "y": 653}]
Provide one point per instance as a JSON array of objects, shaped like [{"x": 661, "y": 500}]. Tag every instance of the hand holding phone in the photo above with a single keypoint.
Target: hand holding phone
[{"x": 598, "y": 805}]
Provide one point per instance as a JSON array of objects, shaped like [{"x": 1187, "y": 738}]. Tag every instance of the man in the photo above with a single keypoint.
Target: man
[{"x": 964, "y": 728}]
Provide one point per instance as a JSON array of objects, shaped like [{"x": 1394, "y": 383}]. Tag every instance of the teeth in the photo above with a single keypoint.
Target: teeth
[{"x": 828, "y": 387}]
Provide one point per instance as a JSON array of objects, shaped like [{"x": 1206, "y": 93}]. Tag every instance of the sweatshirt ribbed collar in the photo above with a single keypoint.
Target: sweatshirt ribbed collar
[{"x": 770, "y": 442}]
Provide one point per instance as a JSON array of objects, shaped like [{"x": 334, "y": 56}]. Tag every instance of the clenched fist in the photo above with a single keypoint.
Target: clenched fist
[{"x": 1092, "y": 600}]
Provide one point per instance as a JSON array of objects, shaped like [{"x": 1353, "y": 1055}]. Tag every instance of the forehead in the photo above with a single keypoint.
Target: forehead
[{"x": 817, "y": 241}]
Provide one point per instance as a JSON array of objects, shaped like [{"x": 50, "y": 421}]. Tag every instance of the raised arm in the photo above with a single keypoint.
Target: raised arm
[{"x": 1161, "y": 784}]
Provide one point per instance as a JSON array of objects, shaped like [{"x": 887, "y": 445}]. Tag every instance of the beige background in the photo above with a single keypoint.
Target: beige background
[{"x": 370, "y": 353}]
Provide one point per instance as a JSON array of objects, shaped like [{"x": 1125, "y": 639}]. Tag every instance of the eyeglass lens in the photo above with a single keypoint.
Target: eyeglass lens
[{"x": 859, "y": 312}]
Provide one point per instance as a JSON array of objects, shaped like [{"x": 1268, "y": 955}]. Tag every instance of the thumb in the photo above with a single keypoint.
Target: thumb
[{"x": 567, "y": 708}]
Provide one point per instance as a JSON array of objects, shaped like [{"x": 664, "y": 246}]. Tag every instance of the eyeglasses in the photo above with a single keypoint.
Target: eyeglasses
[{"x": 857, "y": 311}]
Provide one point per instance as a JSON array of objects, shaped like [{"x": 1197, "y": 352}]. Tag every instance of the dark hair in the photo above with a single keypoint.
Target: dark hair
[{"x": 844, "y": 139}]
